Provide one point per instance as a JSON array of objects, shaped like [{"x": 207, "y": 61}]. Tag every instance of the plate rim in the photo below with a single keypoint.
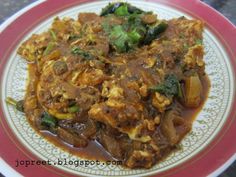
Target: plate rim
[{"x": 198, "y": 5}]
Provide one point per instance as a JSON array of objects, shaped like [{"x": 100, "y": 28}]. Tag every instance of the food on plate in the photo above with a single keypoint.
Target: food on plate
[{"x": 125, "y": 80}]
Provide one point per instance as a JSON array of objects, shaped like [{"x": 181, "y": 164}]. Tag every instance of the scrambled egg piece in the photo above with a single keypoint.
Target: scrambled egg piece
[
  {"x": 138, "y": 158},
  {"x": 194, "y": 57},
  {"x": 160, "y": 102},
  {"x": 111, "y": 90}
]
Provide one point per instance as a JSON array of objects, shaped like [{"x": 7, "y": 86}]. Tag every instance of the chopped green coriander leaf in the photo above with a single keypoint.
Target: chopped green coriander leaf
[
  {"x": 119, "y": 39},
  {"x": 134, "y": 36},
  {"x": 122, "y": 10},
  {"x": 112, "y": 8}
]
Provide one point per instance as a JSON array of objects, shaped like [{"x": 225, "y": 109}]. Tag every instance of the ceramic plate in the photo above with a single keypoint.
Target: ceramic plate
[{"x": 207, "y": 150}]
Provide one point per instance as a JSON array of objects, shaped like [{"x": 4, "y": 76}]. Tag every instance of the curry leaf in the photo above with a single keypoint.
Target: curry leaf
[
  {"x": 154, "y": 32},
  {"x": 170, "y": 86},
  {"x": 48, "y": 120},
  {"x": 84, "y": 54}
]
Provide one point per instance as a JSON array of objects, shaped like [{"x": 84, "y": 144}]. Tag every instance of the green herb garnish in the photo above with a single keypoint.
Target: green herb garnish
[
  {"x": 84, "y": 54},
  {"x": 49, "y": 48},
  {"x": 53, "y": 34},
  {"x": 119, "y": 39},
  {"x": 122, "y": 10},
  {"x": 170, "y": 87},
  {"x": 74, "y": 109},
  {"x": 133, "y": 31},
  {"x": 48, "y": 121},
  {"x": 154, "y": 32}
]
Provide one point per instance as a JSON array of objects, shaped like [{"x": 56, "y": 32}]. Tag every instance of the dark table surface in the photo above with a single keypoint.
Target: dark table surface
[{"x": 226, "y": 7}]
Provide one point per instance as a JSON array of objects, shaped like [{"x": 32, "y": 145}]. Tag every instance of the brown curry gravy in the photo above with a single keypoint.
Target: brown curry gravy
[{"x": 94, "y": 151}]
